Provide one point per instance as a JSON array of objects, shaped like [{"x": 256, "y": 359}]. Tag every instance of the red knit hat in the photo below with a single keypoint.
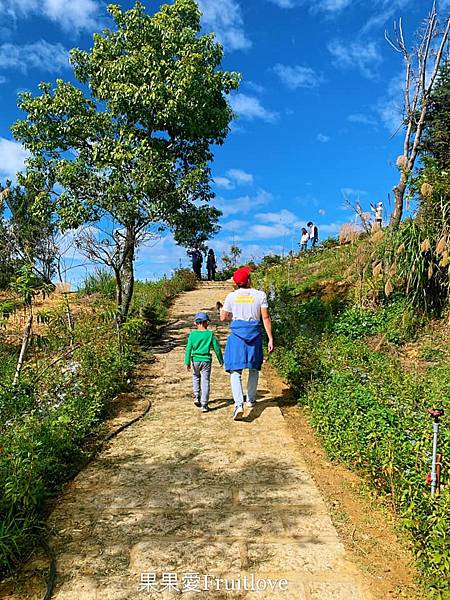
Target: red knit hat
[{"x": 242, "y": 275}]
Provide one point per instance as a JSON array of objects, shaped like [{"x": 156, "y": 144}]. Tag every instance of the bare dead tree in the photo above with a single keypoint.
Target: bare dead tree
[
  {"x": 108, "y": 247},
  {"x": 421, "y": 68},
  {"x": 355, "y": 207}
]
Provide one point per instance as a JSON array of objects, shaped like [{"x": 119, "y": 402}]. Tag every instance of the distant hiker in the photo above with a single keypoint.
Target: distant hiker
[
  {"x": 211, "y": 265},
  {"x": 304, "y": 240},
  {"x": 378, "y": 210},
  {"x": 197, "y": 261},
  {"x": 198, "y": 358},
  {"x": 244, "y": 308},
  {"x": 313, "y": 234}
]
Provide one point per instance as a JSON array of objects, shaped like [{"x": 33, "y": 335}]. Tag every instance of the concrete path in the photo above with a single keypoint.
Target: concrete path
[{"x": 184, "y": 501}]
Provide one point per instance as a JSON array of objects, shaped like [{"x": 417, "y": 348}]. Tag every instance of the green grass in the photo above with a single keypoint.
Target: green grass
[{"x": 344, "y": 359}]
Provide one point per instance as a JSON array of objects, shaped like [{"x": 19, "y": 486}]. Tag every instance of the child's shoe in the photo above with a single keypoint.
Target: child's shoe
[
  {"x": 205, "y": 408},
  {"x": 197, "y": 402}
]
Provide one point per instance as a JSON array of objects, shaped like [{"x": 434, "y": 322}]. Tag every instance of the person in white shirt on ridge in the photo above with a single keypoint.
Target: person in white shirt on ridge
[{"x": 245, "y": 308}]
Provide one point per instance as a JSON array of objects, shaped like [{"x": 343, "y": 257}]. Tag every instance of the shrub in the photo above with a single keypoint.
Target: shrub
[
  {"x": 298, "y": 364},
  {"x": 358, "y": 322},
  {"x": 101, "y": 281}
]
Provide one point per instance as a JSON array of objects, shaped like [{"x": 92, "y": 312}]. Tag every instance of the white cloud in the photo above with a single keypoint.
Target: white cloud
[
  {"x": 385, "y": 11},
  {"x": 240, "y": 177},
  {"x": 286, "y": 217},
  {"x": 326, "y": 6},
  {"x": 362, "y": 119},
  {"x": 322, "y": 138},
  {"x": 329, "y": 228},
  {"x": 76, "y": 15},
  {"x": 334, "y": 5},
  {"x": 244, "y": 204},
  {"x": 363, "y": 56},
  {"x": 39, "y": 55},
  {"x": 284, "y": 3},
  {"x": 348, "y": 191},
  {"x": 234, "y": 226},
  {"x": 265, "y": 232},
  {"x": 307, "y": 200},
  {"x": 234, "y": 178},
  {"x": 12, "y": 157},
  {"x": 256, "y": 87},
  {"x": 224, "y": 183},
  {"x": 298, "y": 76},
  {"x": 249, "y": 107},
  {"x": 224, "y": 17},
  {"x": 390, "y": 107}
]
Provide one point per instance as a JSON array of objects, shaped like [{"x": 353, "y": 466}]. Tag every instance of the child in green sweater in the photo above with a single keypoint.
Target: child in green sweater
[{"x": 198, "y": 357}]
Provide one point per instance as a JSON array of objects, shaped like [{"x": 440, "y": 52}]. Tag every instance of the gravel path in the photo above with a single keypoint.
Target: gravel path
[{"x": 190, "y": 500}]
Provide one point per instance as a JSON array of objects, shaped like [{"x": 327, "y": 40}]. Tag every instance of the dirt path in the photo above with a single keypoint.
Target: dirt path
[{"x": 183, "y": 492}]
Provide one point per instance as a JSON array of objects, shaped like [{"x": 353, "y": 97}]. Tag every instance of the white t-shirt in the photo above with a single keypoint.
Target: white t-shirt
[{"x": 245, "y": 304}]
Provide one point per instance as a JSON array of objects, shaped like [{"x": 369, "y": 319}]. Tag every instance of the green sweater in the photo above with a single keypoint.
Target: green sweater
[{"x": 199, "y": 345}]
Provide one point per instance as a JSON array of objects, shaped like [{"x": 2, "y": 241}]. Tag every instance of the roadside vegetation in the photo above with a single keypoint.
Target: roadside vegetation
[
  {"x": 367, "y": 367},
  {"x": 50, "y": 420},
  {"x": 362, "y": 336}
]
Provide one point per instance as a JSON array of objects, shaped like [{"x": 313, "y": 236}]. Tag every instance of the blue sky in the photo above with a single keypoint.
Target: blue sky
[{"x": 317, "y": 109}]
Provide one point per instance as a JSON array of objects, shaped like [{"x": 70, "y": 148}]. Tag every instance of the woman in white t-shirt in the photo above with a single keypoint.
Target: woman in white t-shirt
[
  {"x": 245, "y": 308},
  {"x": 304, "y": 240}
]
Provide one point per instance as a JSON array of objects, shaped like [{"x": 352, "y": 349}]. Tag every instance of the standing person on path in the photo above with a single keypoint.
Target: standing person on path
[
  {"x": 198, "y": 357},
  {"x": 211, "y": 265},
  {"x": 304, "y": 240},
  {"x": 244, "y": 308},
  {"x": 313, "y": 234},
  {"x": 197, "y": 261}
]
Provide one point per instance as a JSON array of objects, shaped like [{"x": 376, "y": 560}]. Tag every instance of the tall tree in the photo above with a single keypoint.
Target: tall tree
[
  {"x": 421, "y": 69},
  {"x": 34, "y": 235},
  {"x": 137, "y": 148},
  {"x": 436, "y": 139},
  {"x": 25, "y": 237}
]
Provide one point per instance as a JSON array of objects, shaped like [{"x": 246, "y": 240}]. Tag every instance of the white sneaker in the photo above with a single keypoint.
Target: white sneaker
[{"x": 238, "y": 413}]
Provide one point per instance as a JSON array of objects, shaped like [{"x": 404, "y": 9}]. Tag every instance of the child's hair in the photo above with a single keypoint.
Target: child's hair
[{"x": 304, "y": 231}]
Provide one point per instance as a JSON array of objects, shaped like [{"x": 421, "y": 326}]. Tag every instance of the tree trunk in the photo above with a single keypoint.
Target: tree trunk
[
  {"x": 399, "y": 193},
  {"x": 128, "y": 271},
  {"x": 23, "y": 349},
  {"x": 119, "y": 288}
]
